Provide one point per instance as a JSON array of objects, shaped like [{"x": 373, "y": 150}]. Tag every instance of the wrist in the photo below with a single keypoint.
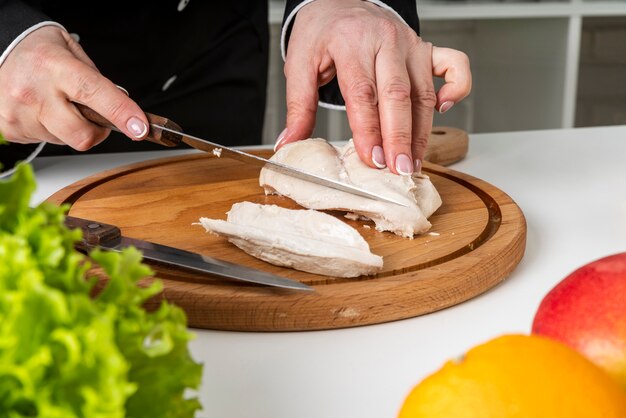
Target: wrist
[{"x": 23, "y": 35}]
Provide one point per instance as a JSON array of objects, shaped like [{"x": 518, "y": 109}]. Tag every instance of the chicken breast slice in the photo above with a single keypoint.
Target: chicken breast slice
[
  {"x": 319, "y": 157},
  {"x": 305, "y": 240}
]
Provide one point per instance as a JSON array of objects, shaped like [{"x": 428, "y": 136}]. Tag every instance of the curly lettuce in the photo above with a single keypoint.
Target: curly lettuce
[{"x": 65, "y": 353}]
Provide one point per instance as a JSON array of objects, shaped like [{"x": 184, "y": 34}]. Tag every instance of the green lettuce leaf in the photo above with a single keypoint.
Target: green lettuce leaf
[
  {"x": 154, "y": 343},
  {"x": 64, "y": 353}
]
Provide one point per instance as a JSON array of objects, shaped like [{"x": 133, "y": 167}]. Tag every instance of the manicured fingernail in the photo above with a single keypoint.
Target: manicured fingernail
[
  {"x": 404, "y": 165},
  {"x": 123, "y": 89},
  {"x": 378, "y": 156},
  {"x": 280, "y": 139},
  {"x": 445, "y": 106},
  {"x": 418, "y": 166},
  {"x": 136, "y": 127}
]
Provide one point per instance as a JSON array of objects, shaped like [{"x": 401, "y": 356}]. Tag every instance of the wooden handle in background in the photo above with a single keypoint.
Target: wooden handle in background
[
  {"x": 446, "y": 145},
  {"x": 156, "y": 135}
]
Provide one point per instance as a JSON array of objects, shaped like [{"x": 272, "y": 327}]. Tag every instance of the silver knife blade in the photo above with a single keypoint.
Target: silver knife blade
[
  {"x": 222, "y": 151},
  {"x": 98, "y": 234},
  {"x": 155, "y": 135}
]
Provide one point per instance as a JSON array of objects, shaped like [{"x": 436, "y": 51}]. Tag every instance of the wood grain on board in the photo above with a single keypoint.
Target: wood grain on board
[{"x": 477, "y": 239}]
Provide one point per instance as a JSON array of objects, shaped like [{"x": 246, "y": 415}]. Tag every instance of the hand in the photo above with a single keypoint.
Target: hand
[
  {"x": 384, "y": 72},
  {"x": 42, "y": 76}
]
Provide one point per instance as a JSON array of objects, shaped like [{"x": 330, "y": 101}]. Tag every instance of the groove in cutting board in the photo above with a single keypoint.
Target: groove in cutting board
[{"x": 481, "y": 239}]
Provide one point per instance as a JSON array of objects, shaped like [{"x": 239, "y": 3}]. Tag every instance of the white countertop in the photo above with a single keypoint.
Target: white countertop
[{"x": 570, "y": 184}]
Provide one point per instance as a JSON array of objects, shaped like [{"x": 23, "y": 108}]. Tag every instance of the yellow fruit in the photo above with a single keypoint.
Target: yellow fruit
[{"x": 517, "y": 376}]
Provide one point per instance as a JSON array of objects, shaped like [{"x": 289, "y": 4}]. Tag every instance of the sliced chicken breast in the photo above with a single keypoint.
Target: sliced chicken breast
[
  {"x": 317, "y": 156},
  {"x": 305, "y": 240}
]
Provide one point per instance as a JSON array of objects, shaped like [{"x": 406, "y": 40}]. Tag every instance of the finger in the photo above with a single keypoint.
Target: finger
[
  {"x": 85, "y": 85},
  {"x": 454, "y": 67},
  {"x": 423, "y": 100},
  {"x": 65, "y": 122},
  {"x": 26, "y": 129},
  {"x": 19, "y": 137},
  {"x": 302, "y": 97},
  {"x": 77, "y": 50},
  {"x": 39, "y": 133},
  {"x": 357, "y": 81},
  {"x": 394, "y": 108}
]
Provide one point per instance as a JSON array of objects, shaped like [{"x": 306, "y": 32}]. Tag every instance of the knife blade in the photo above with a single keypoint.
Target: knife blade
[
  {"x": 109, "y": 237},
  {"x": 167, "y": 133}
]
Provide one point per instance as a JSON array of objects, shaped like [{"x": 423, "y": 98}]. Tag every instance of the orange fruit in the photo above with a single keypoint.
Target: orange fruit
[{"x": 517, "y": 376}]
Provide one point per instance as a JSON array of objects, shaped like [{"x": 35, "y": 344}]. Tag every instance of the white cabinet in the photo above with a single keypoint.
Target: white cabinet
[{"x": 529, "y": 71}]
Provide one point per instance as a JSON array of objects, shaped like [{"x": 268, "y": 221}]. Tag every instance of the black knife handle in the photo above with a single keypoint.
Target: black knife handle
[
  {"x": 155, "y": 134},
  {"x": 94, "y": 233}
]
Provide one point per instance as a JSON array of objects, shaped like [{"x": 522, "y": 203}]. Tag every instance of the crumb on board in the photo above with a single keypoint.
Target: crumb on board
[
  {"x": 434, "y": 234},
  {"x": 217, "y": 152},
  {"x": 367, "y": 227},
  {"x": 356, "y": 217}
]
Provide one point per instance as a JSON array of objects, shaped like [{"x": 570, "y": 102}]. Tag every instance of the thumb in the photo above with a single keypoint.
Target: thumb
[
  {"x": 454, "y": 67},
  {"x": 302, "y": 98}
]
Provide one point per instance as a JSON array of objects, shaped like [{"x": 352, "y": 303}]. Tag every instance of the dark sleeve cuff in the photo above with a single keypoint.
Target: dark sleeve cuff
[
  {"x": 15, "y": 18},
  {"x": 12, "y": 153},
  {"x": 329, "y": 94}
]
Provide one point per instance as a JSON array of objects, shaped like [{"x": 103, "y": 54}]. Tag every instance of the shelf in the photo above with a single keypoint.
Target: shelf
[
  {"x": 457, "y": 10},
  {"x": 527, "y": 66},
  {"x": 463, "y": 10}
]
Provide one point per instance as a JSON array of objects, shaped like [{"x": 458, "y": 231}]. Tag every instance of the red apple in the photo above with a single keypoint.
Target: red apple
[{"x": 587, "y": 311}]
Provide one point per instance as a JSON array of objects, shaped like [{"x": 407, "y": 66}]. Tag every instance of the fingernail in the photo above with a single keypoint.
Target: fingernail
[
  {"x": 280, "y": 139},
  {"x": 378, "y": 156},
  {"x": 136, "y": 127},
  {"x": 445, "y": 106},
  {"x": 404, "y": 165},
  {"x": 123, "y": 89},
  {"x": 418, "y": 166}
]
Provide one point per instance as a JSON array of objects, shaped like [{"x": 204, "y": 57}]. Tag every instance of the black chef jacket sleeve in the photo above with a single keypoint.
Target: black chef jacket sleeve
[{"x": 15, "y": 18}]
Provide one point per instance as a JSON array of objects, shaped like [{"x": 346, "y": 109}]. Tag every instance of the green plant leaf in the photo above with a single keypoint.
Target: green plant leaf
[{"x": 66, "y": 354}]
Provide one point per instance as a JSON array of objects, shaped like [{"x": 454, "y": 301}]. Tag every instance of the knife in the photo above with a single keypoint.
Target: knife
[
  {"x": 167, "y": 133},
  {"x": 109, "y": 237}
]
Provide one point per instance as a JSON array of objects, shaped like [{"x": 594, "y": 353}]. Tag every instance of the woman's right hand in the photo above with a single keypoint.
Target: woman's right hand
[{"x": 40, "y": 79}]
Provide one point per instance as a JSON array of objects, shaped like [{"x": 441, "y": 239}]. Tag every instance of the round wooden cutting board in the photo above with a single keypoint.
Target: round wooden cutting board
[{"x": 477, "y": 239}]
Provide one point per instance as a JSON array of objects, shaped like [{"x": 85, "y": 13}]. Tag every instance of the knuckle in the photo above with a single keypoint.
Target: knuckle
[
  {"x": 10, "y": 133},
  {"x": 42, "y": 57},
  {"x": 369, "y": 130},
  {"x": 83, "y": 139},
  {"x": 23, "y": 94},
  {"x": 463, "y": 58},
  {"x": 87, "y": 85},
  {"x": 363, "y": 91},
  {"x": 419, "y": 142},
  {"x": 420, "y": 47},
  {"x": 116, "y": 110},
  {"x": 10, "y": 118},
  {"x": 397, "y": 89},
  {"x": 390, "y": 31},
  {"x": 398, "y": 137},
  {"x": 424, "y": 97},
  {"x": 351, "y": 25}
]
